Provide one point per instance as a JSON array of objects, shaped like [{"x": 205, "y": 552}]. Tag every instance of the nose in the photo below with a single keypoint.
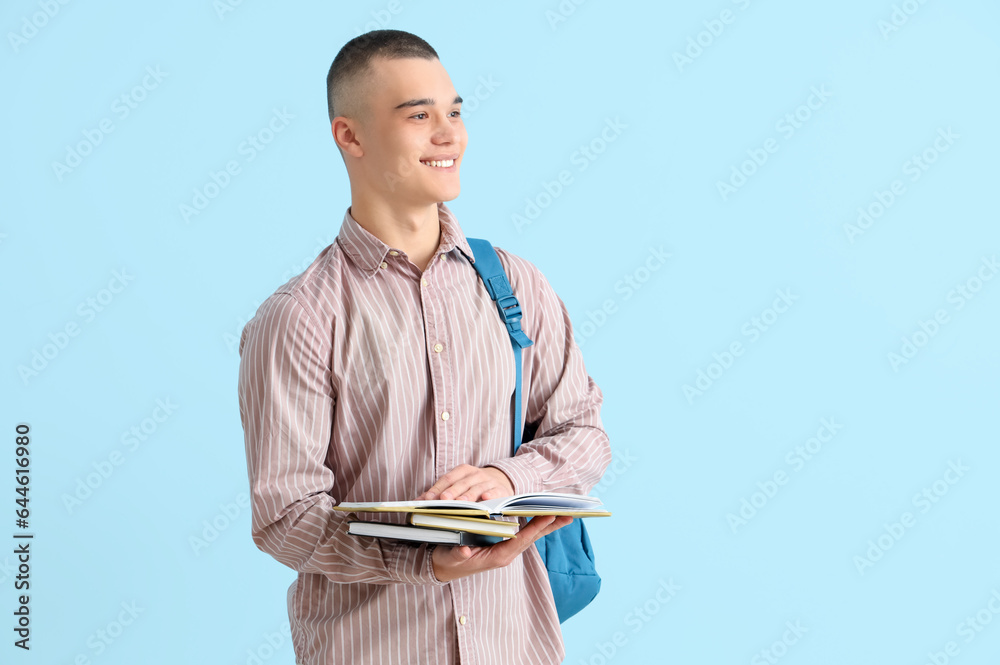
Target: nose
[{"x": 447, "y": 129}]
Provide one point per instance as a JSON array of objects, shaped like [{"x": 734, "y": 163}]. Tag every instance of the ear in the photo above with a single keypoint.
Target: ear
[{"x": 345, "y": 136}]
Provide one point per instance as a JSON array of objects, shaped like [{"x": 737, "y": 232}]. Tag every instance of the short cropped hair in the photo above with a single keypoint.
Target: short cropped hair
[{"x": 345, "y": 82}]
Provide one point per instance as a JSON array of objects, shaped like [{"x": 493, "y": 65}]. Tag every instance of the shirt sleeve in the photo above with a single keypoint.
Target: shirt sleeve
[
  {"x": 287, "y": 403},
  {"x": 570, "y": 449}
]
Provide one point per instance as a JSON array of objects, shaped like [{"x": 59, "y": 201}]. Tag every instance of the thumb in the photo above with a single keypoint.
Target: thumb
[{"x": 462, "y": 553}]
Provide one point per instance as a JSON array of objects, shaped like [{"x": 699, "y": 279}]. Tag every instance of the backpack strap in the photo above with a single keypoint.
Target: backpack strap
[{"x": 487, "y": 264}]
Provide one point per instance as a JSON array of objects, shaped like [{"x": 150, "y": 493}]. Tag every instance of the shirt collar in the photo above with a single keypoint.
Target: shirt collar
[{"x": 367, "y": 251}]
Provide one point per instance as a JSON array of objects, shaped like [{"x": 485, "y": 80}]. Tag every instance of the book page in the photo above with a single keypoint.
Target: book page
[{"x": 524, "y": 504}]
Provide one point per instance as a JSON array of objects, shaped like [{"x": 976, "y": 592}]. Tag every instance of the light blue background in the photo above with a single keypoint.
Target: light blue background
[{"x": 681, "y": 465}]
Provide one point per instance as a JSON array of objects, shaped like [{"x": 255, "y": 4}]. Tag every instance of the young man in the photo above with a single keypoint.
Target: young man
[{"x": 383, "y": 372}]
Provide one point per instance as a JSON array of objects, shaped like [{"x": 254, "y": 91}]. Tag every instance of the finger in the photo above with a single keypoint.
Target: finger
[
  {"x": 503, "y": 553},
  {"x": 559, "y": 523},
  {"x": 493, "y": 493},
  {"x": 447, "y": 480},
  {"x": 470, "y": 483},
  {"x": 460, "y": 489},
  {"x": 501, "y": 481},
  {"x": 441, "y": 483},
  {"x": 456, "y": 490},
  {"x": 477, "y": 491},
  {"x": 533, "y": 529},
  {"x": 457, "y": 555},
  {"x": 526, "y": 537},
  {"x": 537, "y": 528}
]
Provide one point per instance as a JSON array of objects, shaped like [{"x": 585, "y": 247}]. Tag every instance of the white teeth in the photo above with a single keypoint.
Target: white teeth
[{"x": 445, "y": 164}]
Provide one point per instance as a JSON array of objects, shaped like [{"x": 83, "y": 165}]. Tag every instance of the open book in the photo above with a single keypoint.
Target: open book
[{"x": 519, "y": 505}]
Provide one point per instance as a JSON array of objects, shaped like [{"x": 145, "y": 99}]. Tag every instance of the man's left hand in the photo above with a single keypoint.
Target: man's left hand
[{"x": 470, "y": 483}]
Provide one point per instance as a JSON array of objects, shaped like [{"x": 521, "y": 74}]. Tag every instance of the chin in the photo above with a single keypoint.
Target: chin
[{"x": 445, "y": 193}]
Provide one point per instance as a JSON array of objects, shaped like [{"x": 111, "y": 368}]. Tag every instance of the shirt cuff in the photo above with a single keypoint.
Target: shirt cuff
[
  {"x": 409, "y": 564},
  {"x": 523, "y": 476}
]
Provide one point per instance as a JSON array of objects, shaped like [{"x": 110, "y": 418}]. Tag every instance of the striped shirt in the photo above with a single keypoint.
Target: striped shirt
[{"x": 365, "y": 379}]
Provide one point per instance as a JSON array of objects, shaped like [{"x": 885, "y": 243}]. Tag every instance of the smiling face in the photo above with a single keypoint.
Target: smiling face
[{"x": 407, "y": 145}]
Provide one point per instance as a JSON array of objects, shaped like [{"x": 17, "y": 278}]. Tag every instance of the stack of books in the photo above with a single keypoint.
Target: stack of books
[{"x": 467, "y": 522}]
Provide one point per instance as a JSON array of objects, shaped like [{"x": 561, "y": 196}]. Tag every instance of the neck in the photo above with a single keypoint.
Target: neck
[{"x": 413, "y": 230}]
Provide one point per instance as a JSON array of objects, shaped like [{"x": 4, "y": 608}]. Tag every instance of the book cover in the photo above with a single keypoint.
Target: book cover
[{"x": 482, "y": 525}]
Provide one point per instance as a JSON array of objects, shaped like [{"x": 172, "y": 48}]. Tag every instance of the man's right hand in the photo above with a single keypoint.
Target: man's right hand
[{"x": 451, "y": 563}]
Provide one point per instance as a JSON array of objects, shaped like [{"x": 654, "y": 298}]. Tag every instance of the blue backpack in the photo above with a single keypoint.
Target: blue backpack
[{"x": 566, "y": 552}]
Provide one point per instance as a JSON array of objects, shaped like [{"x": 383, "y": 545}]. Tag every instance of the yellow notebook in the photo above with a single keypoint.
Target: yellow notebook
[{"x": 481, "y": 525}]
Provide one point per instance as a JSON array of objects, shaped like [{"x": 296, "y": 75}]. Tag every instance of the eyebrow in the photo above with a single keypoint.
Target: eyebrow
[{"x": 426, "y": 101}]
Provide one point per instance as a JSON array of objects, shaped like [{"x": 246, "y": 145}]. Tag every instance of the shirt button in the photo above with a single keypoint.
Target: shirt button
[
  {"x": 393, "y": 252},
  {"x": 423, "y": 281},
  {"x": 383, "y": 265},
  {"x": 445, "y": 415},
  {"x": 438, "y": 348},
  {"x": 443, "y": 256},
  {"x": 462, "y": 619}
]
